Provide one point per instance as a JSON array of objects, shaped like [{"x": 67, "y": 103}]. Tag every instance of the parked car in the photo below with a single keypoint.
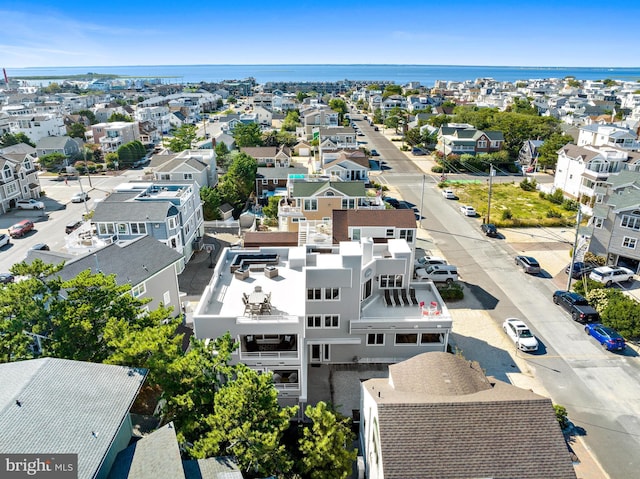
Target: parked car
[
  {"x": 609, "y": 338},
  {"x": 608, "y": 275},
  {"x": 392, "y": 201},
  {"x": 577, "y": 305},
  {"x": 74, "y": 225},
  {"x": 29, "y": 204},
  {"x": 468, "y": 210},
  {"x": 375, "y": 128},
  {"x": 6, "y": 278},
  {"x": 418, "y": 151},
  {"x": 520, "y": 334},
  {"x": 79, "y": 197},
  {"x": 438, "y": 273},
  {"x": 528, "y": 264},
  {"x": 40, "y": 247},
  {"x": 489, "y": 229},
  {"x": 425, "y": 261},
  {"x": 375, "y": 153},
  {"x": 449, "y": 194},
  {"x": 21, "y": 228},
  {"x": 580, "y": 269},
  {"x": 4, "y": 240}
]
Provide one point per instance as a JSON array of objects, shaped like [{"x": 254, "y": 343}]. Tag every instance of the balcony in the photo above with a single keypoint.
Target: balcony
[{"x": 269, "y": 346}]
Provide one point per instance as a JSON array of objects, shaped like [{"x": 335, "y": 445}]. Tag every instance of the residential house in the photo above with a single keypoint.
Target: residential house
[
  {"x": 379, "y": 225},
  {"x": 315, "y": 118},
  {"x": 345, "y": 165},
  {"x": 608, "y": 135},
  {"x": 462, "y": 139},
  {"x": 158, "y": 116},
  {"x": 269, "y": 156},
  {"x": 528, "y": 155},
  {"x": 263, "y": 116},
  {"x": 293, "y": 309},
  {"x": 303, "y": 148},
  {"x": 262, "y": 100},
  {"x": 273, "y": 181},
  {"x": 393, "y": 101},
  {"x": 149, "y": 134},
  {"x": 334, "y": 138},
  {"x": 615, "y": 224},
  {"x": 313, "y": 198},
  {"x": 438, "y": 415},
  {"x": 581, "y": 169},
  {"x": 170, "y": 212},
  {"x": 158, "y": 455},
  {"x": 64, "y": 145},
  {"x": 18, "y": 179},
  {"x": 58, "y": 406},
  {"x": 148, "y": 266},
  {"x": 188, "y": 165},
  {"x": 111, "y": 136},
  {"x": 37, "y": 126}
]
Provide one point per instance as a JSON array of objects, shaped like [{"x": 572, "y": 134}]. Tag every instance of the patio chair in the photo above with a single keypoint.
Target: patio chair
[
  {"x": 396, "y": 298},
  {"x": 412, "y": 294},
  {"x": 405, "y": 299},
  {"x": 387, "y": 298}
]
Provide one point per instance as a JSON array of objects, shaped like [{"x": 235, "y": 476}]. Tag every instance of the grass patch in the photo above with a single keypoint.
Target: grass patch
[{"x": 511, "y": 206}]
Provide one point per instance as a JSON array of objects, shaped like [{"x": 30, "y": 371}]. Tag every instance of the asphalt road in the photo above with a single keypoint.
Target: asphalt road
[{"x": 600, "y": 389}]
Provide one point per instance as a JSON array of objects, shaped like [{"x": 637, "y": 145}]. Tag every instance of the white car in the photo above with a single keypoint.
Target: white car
[
  {"x": 79, "y": 197},
  {"x": 29, "y": 204},
  {"x": 428, "y": 260},
  {"x": 520, "y": 334},
  {"x": 4, "y": 240},
  {"x": 449, "y": 194},
  {"x": 608, "y": 275},
  {"x": 468, "y": 210}
]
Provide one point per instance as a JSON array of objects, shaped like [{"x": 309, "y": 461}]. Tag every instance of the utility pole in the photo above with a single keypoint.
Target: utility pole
[
  {"x": 86, "y": 208},
  {"x": 575, "y": 246},
  {"x": 491, "y": 173},
  {"x": 422, "y": 200}
]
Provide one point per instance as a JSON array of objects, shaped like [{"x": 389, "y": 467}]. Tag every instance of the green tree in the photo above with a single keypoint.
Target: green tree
[
  {"x": 287, "y": 139},
  {"x": 522, "y": 105},
  {"x": 242, "y": 172},
  {"x": 9, "y": 139},
  {"x": 89, "y": 115},
  {"x": 210, "y": 203},
  {"x": 116, "y": 116},
  {"x": 438, "y": 120},
  {"x": 76, "y": 130},
  {"x": 270, "y": 138},
  {"x": 222, "y": 154},
  {"x": 390, "y": 90},
  {"x": 51, "y": 161},
  {"x": 301, "y": 96},
  {"x": 182, "y": 138},
  {"x": 413, "y": 137},
  {"x": 247, "y": 135},
  {"x": 339, "y": 106},
  {"x": 271, "y": 210},
  {"x": 327, "y": 446},
  {"x": 548, "y": 151},
  {"x": 378, "y": 118},
  {"x": 248, "y": 423},
  {"x": 291, "y": 121}
]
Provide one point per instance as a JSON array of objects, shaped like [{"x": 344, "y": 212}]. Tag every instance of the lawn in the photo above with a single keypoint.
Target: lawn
[{"x": 526, "y": 208}]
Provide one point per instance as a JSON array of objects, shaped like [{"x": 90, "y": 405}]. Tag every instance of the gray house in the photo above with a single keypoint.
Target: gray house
[
  {"x": 170, "y": 212},
  {"x": 58, "y": 144},
  {"x": 615, "y": 224},
  {"x": 58, "y": 406}
]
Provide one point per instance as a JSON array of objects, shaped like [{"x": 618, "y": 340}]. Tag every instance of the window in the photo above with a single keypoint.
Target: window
[
  {"x": 355, "y": 234},
  {"x": 598, "y": 222},
  {"x": 311, "y": 204},
  {"x": 348, "y": 203},
  {"x": 188, "y": 176},
  {"x": 628, "y": 242},
  {"x": 331, "y": 321},
  {"x": 631, "y": 221},
  {"x": 11, "y": 188},
  {"x": 166, "y": 298},
  {"x": 165, "y": 177},
  {"x": 407, "y": 235},
  {"x": 123, "y": 229},
  {"x": 106, "y": 229},
  {"x": 6, "y": 172},
  {"x": 138, "y": 228},
  {"x": 391, "y": 280},
  {"x": 332, "y": 294},
  {"x": 426, "y": 338},
  {"x": 410, "y": 338},
  {"x": 375, "y": 339},
  {"x": 389, "y": 233},
  {"x": 138, "y": 290},
  {"x": 172, "y": 223},
  {"x": 314, "y": 321},
  {"x": 314, "y": 294},
  {"x": 482, "y": 143}
]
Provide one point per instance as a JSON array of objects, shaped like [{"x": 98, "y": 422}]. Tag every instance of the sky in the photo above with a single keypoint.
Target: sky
[{"x": 572, "y": 33}]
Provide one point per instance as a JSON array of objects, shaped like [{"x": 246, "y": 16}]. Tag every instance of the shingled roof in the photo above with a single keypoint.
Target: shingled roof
[
  {"x": 440, "y": 417},
  {"x": 343, "y": 219}
]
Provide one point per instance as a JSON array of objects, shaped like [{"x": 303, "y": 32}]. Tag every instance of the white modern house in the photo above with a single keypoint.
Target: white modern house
[
  {"x": 295, "y": 308},
  {"x": 158, "y": 116},
  {"x": 37, "y": 126},
  {"x": 608, "y": 135}
]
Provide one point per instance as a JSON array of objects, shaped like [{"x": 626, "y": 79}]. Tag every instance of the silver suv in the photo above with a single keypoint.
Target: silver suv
[
  {"x": 608, "y": 275},
  {"x": 438, "y": 273}
]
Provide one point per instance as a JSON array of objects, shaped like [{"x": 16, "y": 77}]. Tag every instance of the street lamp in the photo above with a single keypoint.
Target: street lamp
[{"x": 86, "y": 167}]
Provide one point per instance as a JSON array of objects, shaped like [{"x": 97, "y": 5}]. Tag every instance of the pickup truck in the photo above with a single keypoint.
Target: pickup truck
[{"x": 577, "y": 305}]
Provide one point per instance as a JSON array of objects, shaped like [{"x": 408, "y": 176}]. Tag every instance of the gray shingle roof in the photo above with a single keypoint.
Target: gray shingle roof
[
  {"x": 52, "y": 142},
  {"x": 132, "y": 263},
  {"x": 125, "y": 211},
  {"x": 307, "y": 189},
  {"x": 65, "y": 407},
  {"x": 440, "y": 417}
]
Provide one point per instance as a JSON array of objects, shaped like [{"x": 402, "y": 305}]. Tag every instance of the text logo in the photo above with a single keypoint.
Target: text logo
[{"x": 36, "y": 466}]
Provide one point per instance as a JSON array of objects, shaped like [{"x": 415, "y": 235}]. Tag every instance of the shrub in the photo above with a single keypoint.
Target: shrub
[
  {"x": 570, "y": 205},
  {"x": 561, "y": 416},
  {"x": 589, "y": 257},
  {"x": 580, "y": 287},
  {"x": 507, "y": 215},
  {"x": 527, "y": 185},
  {"x": 437, "y": 169},
  {"x": 553, "y": 214},
  {"x": 557, "y": 197},
  {"x": 451, "y": 292}
]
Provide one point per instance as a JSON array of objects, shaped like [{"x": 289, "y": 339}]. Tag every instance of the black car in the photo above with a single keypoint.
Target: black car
[
  {"x": 393, "y": 202},
  {"x": 577, "y": 306},
  {"x": 580, "y": 269},
  {"x": 74, "y": 225},
  {"x": 489, "y": 229},
  {"x": 6, "y": 278}
]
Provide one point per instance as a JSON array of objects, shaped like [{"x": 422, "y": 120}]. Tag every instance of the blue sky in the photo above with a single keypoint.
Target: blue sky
[{"x": 39, "y": 33}]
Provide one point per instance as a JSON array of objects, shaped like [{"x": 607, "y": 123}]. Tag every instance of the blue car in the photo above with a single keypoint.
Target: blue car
[{"x": 609, "y": 338}]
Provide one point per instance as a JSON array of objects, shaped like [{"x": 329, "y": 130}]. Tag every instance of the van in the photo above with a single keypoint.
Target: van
[{"x": 438, "y": 273}]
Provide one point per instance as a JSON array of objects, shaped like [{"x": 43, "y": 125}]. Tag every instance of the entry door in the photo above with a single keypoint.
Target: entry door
[{"x": 320, "y": 353}]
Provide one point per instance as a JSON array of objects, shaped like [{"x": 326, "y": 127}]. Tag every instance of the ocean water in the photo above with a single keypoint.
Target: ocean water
[{"x": 425, "y": 74}]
